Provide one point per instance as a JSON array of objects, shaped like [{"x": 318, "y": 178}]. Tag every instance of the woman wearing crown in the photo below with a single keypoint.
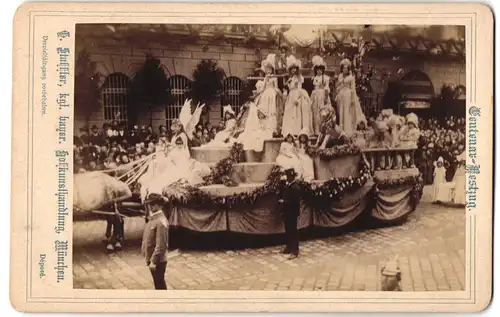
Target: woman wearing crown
[
  {"x": 297, "y": 115},
  {"x": 320, "y": 97},
  {"x": 269, "y": 95},
  {"x": 348, "y": 105}
]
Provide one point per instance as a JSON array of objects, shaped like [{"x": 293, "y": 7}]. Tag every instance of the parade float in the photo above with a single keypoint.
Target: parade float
[
  {"x": 379, "y": 185},
  {"x": 241, "y": 198}
]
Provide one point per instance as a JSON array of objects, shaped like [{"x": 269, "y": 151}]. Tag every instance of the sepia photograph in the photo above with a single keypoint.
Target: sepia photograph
[{"x": 270, "y": 157}]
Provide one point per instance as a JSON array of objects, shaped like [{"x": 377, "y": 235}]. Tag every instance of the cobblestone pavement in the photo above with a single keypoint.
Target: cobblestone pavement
[{"x": 430, "y": 247}]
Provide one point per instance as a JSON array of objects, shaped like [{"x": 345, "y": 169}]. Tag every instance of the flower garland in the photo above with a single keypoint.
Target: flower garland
[
  {"x": 416, "y": 181},
  {"x": 393, "y": 183},
  {"x": 336, "y": 151},
  {"x": 321, "y": 195},
  {"x": 199, "y": 198},
  {"x": 313, "y": 194},
  {"x": 221, "y": 172}
]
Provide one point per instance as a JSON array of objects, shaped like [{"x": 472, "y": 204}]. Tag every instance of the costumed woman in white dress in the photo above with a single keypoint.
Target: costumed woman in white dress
[
  {"x": 268, "y": 95},
  {"x": 165, "y": 168},
  {"x": 320, "y": 97},
  {"x": 181, "y": 167},
  {"x": 225, "y": 138},
  {"x": 305, "y": 160},
  {"x": 460, "y": 182},
  {"x": 297, "y": 115},
  {"x": 256, "y": 131},
  {"x": 350, "y": 112}
]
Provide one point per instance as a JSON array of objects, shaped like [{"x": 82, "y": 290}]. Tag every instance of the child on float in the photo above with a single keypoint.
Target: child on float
[
  {"x": 439, "y": 190},
  {"x": 320, "y": 97},
  {"x": 287, "y": 157},
  {"x": 359, "y": 137},
  {"x": 269, "y": 94},
  {"x": 410, "y": 133},
  {"x": 297, "y": 114},
  {"x": 305, "y": 160}
]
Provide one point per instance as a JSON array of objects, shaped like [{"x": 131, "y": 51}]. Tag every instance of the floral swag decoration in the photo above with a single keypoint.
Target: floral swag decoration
[
  {"x": 334, "y": 152},
  {"x": 313, "y": 194}
]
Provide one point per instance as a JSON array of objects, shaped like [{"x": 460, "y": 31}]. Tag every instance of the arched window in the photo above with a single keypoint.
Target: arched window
[
  {"x": 179, "y": 88},
  {"x": 115, "y": 97},
  {"x": 232, "y": 90}
]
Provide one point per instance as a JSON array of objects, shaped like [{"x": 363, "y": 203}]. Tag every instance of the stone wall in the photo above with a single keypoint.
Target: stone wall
[{"x": 236, "y": 60}]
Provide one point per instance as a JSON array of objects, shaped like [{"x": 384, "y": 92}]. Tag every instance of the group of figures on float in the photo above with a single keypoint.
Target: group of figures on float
[
  {"x": 300, "y": 118},
  {"x": 293, "y": 111}
]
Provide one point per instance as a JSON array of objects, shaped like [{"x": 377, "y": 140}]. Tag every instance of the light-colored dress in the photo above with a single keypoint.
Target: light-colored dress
[
  {"x": 176, "y": 165},
  {"x": 287, "y": 158},
  {"x": 440, "y": 190},
  {"x": 359, "y": 139},
  {"x": 350, "y": 112},
  {"x": 267, "y": 103},
  {"x": 408, "y": 138},
  {"x": 460, "y": 186},
  {"x": 255, "y": 132},
  {"x": 224, "y": 138},
  {"x": 320, "y": 97},
  {"x": 297, "y": 116},
  {"x": 306, "y": 163}
]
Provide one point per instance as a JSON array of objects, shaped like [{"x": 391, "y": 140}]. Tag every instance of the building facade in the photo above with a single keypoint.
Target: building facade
[{"x": 117, "y": 60}]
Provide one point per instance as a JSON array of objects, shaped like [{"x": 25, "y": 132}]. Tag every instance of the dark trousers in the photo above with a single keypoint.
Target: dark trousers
[
  {"x": 159, "y": 275},
  {"x": 114, "y": 228},
  {"x": 291, "y": 233}
]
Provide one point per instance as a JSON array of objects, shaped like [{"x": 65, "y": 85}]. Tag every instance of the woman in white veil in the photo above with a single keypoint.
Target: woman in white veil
[{"x": 256, "y": 130}]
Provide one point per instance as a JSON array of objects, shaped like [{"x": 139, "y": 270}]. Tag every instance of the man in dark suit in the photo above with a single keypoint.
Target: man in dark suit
[{"x": 289, "y": 202}]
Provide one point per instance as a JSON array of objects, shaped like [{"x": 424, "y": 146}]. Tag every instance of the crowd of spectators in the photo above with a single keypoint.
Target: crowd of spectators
[{"x": 114, "y": 145}]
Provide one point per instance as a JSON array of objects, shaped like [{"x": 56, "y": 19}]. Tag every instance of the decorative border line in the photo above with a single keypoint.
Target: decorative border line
[{"x": 385, "y": 300}]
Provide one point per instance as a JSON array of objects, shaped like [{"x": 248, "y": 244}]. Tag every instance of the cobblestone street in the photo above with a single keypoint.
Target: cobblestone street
[{"x": 430, "y": 247}]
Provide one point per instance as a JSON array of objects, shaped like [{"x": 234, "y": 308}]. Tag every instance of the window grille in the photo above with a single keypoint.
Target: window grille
[
  {"x": 179, "y": 88},
  {"x": 232, "y": 93},
  {"x": 115, "y": 98}
]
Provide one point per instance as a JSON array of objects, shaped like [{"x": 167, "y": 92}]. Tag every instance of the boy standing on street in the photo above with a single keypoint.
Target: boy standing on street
[{"x": 155, "y": 240}]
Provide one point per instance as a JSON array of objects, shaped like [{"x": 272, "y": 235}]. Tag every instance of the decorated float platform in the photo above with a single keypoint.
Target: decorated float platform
[{"x": 380, "y": 186}]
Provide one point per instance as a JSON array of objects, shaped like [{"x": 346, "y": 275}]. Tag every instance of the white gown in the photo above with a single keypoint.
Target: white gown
[
  {"x": 350, "y": 112},
  {"x": 176, "y": 165},
  {"x": 222, "y": 136},
  {"x": 287, "y": 158},
  {"x": 440, "y": 188},
  {"x": 306, "y": 163},
  {"x": 256, "y": 131},
  {"x": 298, "y": 115},
  {"x": 460, "y": 186}
]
